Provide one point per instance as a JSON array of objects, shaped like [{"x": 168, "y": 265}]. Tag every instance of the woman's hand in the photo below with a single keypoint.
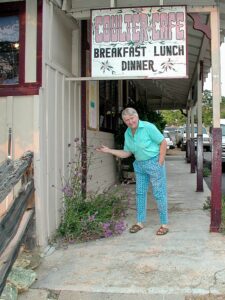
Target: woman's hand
[
  {"x": 103, "y": 149},
  {"x": 118, "y": 153}
]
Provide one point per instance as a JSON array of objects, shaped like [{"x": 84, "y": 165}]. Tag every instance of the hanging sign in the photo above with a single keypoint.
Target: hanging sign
[{"x": 142, "y": 42}]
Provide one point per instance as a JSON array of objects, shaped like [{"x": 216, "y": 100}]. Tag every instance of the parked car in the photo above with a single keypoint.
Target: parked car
[
  {"x": 170, "y": 143},
  {"x": 205, "y": 135},
  {"x": 179, "y": 136},
  {"x": 172, "y": 133},
  {"x": 222, "y": 126}
]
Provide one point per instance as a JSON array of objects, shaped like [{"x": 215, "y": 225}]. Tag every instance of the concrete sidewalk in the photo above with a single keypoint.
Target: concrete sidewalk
[{"x": 187, "y": 262}]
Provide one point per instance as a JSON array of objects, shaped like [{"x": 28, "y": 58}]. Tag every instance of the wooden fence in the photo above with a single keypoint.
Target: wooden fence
[{"x": 16, "y": 209}]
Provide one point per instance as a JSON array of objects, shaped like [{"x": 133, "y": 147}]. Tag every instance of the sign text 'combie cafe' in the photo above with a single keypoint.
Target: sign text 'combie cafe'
[{"x": 146, "y": 42}]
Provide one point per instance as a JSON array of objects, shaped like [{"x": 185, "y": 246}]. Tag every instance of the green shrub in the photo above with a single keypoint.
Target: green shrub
[
  {"x": 207, "y": 204},
  {"x": 93, "y": 216},
  {"x": 222, "y": 227},
  {"x": 206, "y": 172}
]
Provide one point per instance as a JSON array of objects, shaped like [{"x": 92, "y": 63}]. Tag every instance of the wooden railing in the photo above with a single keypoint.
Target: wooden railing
[{"x": 16, "y": 209}]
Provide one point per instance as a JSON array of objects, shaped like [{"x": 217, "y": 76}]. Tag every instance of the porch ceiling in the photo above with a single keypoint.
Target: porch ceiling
[{"x": 165, "y": 93}]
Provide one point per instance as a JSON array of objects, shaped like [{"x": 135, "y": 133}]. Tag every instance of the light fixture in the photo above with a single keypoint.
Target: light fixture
[{"x": 16, "y": 45}]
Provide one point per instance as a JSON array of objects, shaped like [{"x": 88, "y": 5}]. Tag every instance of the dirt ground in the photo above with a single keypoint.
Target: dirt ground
[{"x": 175, "y": 151}]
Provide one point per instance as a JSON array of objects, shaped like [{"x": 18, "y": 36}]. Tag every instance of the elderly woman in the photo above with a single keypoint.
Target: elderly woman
[{"x": 148, "y": 145}]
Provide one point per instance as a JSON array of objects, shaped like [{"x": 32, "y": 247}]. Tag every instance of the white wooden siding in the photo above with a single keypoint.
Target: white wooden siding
[
  {"x": 16, "y": 113},
  {"x": 31, "y": 41},
  {"x": 48, "y": 122},
  {"x": 102, "y": 171},
  {"x": 59, "y": 119},
  {"x": 3, "y": 129}
]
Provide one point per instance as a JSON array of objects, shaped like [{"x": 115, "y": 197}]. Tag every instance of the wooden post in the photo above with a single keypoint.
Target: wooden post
[
  {"x": 188, "y": 152},
  {"x": 192, "y": 143},
  {"x": 199, "y": 136},
  {"x": 83, "y": 107},
  {"x": 216, "y": 132}
]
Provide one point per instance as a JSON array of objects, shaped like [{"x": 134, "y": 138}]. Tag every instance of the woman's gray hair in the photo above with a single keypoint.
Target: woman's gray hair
[{"x": 129, "y": 111}]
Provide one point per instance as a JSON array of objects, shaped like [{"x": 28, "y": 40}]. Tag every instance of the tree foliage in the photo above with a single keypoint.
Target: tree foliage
[{"x": 173, "y": 117}]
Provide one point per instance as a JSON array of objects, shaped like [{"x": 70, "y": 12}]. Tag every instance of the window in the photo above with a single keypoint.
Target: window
[
  {"x": 108, "y": 105},
  {"x": 12, "y": 50},
  {"x": 12, "y": 30},
  {"x": 9, "y": 50},
  {"x": 223, "y": 129}
]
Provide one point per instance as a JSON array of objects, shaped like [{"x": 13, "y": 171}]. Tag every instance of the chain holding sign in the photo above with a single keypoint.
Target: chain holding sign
[{"x": 144, "y": 42}]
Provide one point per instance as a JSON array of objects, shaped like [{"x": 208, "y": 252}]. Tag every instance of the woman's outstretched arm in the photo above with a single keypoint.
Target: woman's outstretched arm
[{"x": 118, "y": 153}]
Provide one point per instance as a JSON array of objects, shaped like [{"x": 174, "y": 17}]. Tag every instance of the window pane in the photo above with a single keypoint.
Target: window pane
[
  {"x": 223, "y": 129},
  {"x": 108, "y": 102},
  {"x": 9, "y": 50}
]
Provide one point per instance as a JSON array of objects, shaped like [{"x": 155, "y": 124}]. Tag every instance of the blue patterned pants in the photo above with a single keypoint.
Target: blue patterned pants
[{"x": 150, "y": 171}]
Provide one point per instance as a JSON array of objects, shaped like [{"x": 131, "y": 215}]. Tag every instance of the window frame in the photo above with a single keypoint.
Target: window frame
[{"x": 23, "y": 88}]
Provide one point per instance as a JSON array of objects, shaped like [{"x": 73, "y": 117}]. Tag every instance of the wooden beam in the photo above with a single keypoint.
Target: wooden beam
[
  {"x": 13, "y": 173},
  {"x": 215, "y": 55},
  {"x": 10, "y": 254},
  {"x": 201, "y": 9},
  {"x": 81, "y": 15},
  {"x": 204, "y": 45},
  {"x": 10, "y": 222}
]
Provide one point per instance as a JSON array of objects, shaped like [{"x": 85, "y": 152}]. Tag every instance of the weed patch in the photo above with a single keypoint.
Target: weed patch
[{"x": 89, "y": 217}]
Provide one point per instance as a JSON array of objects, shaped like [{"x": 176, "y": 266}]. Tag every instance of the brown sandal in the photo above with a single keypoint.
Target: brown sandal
[
  {"x": 162, "y": 230},
  {"x": 135, "y": 228}
]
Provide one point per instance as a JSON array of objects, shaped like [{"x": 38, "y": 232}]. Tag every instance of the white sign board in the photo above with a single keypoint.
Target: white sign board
[{"x": 142, "y": 42}]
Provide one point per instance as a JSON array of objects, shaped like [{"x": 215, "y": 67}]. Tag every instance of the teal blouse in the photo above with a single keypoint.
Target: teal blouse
[{"x": 145, "y": 143}]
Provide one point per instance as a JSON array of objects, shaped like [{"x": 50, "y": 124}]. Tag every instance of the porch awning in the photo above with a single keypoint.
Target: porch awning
[{"x": 167, "y": 93}]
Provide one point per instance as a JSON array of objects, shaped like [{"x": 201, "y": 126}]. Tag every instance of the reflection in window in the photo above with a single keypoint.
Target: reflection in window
[{"x": 9, "y": 50}]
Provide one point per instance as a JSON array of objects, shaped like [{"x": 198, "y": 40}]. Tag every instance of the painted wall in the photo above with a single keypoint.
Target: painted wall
[
  {"x": 4, "y": 129},
  {"x": 59, "y": 118},
  {"x": 102, "y": 171},
  {"x": 17, "y": 113},
  {"x": 49, "y": 122}
]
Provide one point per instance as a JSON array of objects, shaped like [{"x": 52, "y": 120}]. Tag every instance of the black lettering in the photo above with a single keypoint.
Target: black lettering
[
  {"x": 139, "y": 65},
  {"x": 155, "y": 51},
  {"x": 175, "y": 50},
  {"x": 151, "y": 65},
  {"x": 143, "y": 50},
  {"x": 102, "y": 52},
  {"x": 114, "y": 52},
  {"x": 125, "y": 51},
  {"x": 137, "y": 51},
  {"x": 124, "y": 65},
  {"x": 107, "y": 52},
  {"x": 132, "y": 65},
  {"x": 96, "y": 53},
  {"x": 145, "y": 65},
  {"x": 168, "y": 50},
  {"x": 131, "y": 52},
  {"x": 181, "y": 50},
  {"x": 119, "y": 52}
]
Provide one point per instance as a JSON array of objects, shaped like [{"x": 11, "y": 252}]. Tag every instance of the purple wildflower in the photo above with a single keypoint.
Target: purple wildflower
[
  {"x": 119, "y": 227},
  {"x": 108, "y": 233},
  {"x": 105, "y": 226},
  {"x": 107, "y": 230},
  {"x": 67, "y": 190}
]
